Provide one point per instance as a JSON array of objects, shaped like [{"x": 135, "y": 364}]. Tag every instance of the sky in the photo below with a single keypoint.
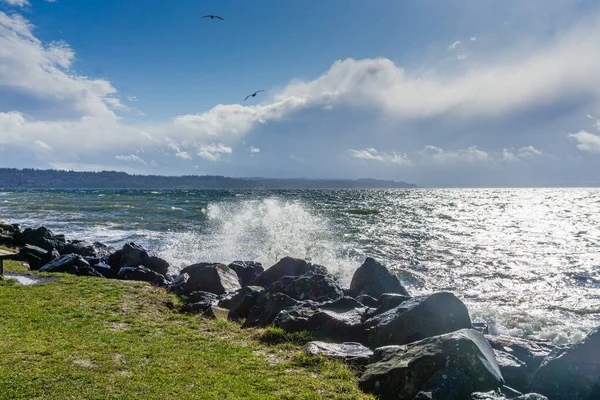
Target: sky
[{"x": 441, "y": 93}]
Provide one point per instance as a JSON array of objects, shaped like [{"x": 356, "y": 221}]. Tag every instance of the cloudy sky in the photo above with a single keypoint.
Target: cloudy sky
[{"x": 434, "y": 92}]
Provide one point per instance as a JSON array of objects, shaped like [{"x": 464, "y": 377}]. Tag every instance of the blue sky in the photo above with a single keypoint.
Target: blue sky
[{"x": 435, "y": 92}]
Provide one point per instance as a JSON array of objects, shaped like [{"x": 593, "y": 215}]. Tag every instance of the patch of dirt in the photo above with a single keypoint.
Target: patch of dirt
[{"x": 84, "y": 363}]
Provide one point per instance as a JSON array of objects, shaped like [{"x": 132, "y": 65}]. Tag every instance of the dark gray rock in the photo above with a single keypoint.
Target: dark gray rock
[
  {"x": 114, "y": 260},
  {"x": 527, "y": 351},
  {"x": 246, "y": 271},
  {"x": 157, "y": 264},
  {"x": 350, "y": 352},
  {"x": 242, "y": 302},
  {"x": 314, "y": 287},
  {"x": 367, "y": 300},
  {"x": 387, "y": 301},
  {"x": 141, "y": 273},
  {"x": 7, "y": 240},
  {"x": 81, "y": 247},
  {"x": 267, "y": 308},
  {"x": 37, "y": 257},
  {"x": 71, "y": 264},
  {"x": 339, "y": 321},
  {"x": 213, "y": 278},
  {"x": 446, "y": 384},
  {"x": 199, "y": 296},
  {"x": 177, "y": 284},
  {"x": 374, "y": 279},
  {"x": 287, "y": 266},
  {"x": 103, "y": 250},
  {"x": 513, "y": 370},
  {"x": 418, "y": 318},
  {"x": 571, "y": 373},
  {"x": 497, "y": 395},
  {"x": 481, "y": 327},
  {"x": 405, "y": 370},
  {"x": 43, "y": 237},
  {"x": 133, "y": 255},
  {"x": 104, "y": 269}
]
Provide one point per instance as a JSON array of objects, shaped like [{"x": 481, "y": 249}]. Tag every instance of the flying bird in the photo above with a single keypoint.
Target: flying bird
[
  {"x": 253, "y": 94},
  {"x": 213, "y": 17}
]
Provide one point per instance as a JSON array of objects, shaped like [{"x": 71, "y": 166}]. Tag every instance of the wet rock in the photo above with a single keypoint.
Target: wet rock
[
  {"x": 339, "y": 321},
  {"x": 157, "y": 264},
  {"x": 387, "y": 301},
  {"x": 527, "y": 351},
  {"x": 374, "y": 279},
  {"x": 81, "y": 247},
  {"x": 104, "y": 269},
  {"x": 44, "y": 238},
  {"x": 571, "y": 373},
  {"x": 446, "y": 384},
  {"x": 141, "y": 273},
  {"x": 481, "y": 327},
  {"x": 7, "y": 227},
  {"x": 242, "y": 302},
  {"x": 177, "y": 284},
  {"x": 37, "y": 257},
  {"x": 246, "y": 271},
  {"x": 498, "y": 395},
  {"x": 287, "y": 266},
  {"x": 313, "y": 287},
  {"x": 418, "y": 318},
  {"x": 405, "y": 370},
  {"x": 133, "y": 255},
  {"x": 199, "y": 296},
  {"x": 367, "y": 300},
  {"x": 350, "y": 352},
  {"x": 213, "y": 278},
  {"x": 7, "y": 240},
  {"x": 513, "y": 370},
  {"x": 71, "y": 264},
  {"x": 114, "y": 260},
  {"x": 267, "y": 308}
]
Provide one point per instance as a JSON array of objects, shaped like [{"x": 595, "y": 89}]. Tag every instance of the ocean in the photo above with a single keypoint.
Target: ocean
[{"x": 526, "y": 261}]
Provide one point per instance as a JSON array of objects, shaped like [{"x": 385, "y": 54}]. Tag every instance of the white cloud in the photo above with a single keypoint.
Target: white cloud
[
  {"x": 43, "y": 146},
  {"x": 473, "y": 39},
  {"x": 587, "y": 142},
  {"x": 132, "y": 98},
  {"x": 18, "y": 3},
  {"x": 131, "y": 158},
  {"x": 454, "y": 45},
  {"x": 596, "y": 121},
  {"x": 213, "y": 152},
  {"x": 469, "y": 155},
  {"x": 524, "y": 153},
  {"x": 461, "y": 57},
  {"x": 254, "y": 150},
  {"x": 178, "y": 152},
  {"x": 529, "y": 152},
  {"x": 372, "y": 154}
]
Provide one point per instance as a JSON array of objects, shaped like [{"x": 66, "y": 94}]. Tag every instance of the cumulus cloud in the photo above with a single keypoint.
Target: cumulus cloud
[
  {"x": 454, "y": 45},
  {"x": 524, "y": 153},
  {"x": 254, "y": 150},
  {"x": 18, "y": 3},
  {"x": 372, "y": 154},
  {"x": 213, "y": 152},
  {"x": 587, "y": 142},
  {"x": 178, "y": 152},
  {"x": 469, "y": 155}
]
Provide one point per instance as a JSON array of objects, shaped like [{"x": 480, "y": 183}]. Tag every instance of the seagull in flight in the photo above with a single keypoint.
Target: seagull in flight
[
  {"x": 253, "y": 94},
  {"x": 213, "y": 17}
]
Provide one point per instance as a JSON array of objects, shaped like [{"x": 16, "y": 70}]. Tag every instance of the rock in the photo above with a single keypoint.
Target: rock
[
  {"x": 308, "y": 287},
  {"x": 7, "y": 240},
  {"x": 37, "y": 257},
  {"x": 103, "y": 250},
  {"x": 141, "y": 273},
  {"x": 7, "y": 227},
  {"x": 71, "y": 264},
  {"x": 405, "y": 370},
  {"x": 215, "y": 312},
  {"x": 527, "y": 351},
  {"x": 287, "y": 266},
  {"x": 387, "y": 301},
  {"x": 350, "y": 352},
  {"x": 418, "y": 318},
  {"x": 246, "y": 271},
  {"x": 201, "y": 296},
  {"x": 104, "y": 269},
  {"x": 513, "y": 370},
  {"x": 267, "y": 308},
  {"x": 177, "y": 285},
  {"x": 114, "y": 260},
  {"x": 81, "y": 247},
  {"x": 157, "y": 264},
  {"x": 44, "y": 238},
  {"x": 133, "y": 255},
  {"x": 374, "y": 279},
  {"x": 570, "y": 373},
  {"x": 367, "y": 300},
  {"x": 481, "y": 327},
  {"x": 446, "y": 384},
  {"x": 339, "y": 321},
  {"x": 242, "y": 302},
  {"x": 497, "y": 395},
  {"x": 213, "y": 278}
]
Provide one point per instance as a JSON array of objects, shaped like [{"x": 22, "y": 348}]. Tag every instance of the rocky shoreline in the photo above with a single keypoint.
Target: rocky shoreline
[{"x": 405, "y": 347}]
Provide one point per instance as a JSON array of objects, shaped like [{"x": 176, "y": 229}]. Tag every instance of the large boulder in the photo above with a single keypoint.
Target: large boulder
[
  {"x": 81, "y": 247},
  {"x": 571, "y": 373},
  {"x": 157, "y": 264},
  {"x": 513, "y": 370},
  {"x": 315, "y": 287},
  {"x": 339, "y": 320},
  {"x": 287, "y": 266},
  {"x": 43, "y": 237},
  {"x": 133, "y": 255},
  {"x": 374, "y": 279},
  {"x": 37, "y": 257},
  {"x": 71, "y": 264},
  {"x": 446, "y": 384},
  {"x": 267, "y": 308},
  {"x": 418, "y": 318},
  {"x": 246, "y": 271},
  {"x": 213, "y": 278},
  {"x": 114, "y": 260},
  {"x": 141, "y": 273},
  {"x": 178, "y": 283},
  {"x": 242, "y": 302},
  {"x": 103, "y": 250},
  {"x": 401, "y": 372},
  {"x": 350, "y": 352}
]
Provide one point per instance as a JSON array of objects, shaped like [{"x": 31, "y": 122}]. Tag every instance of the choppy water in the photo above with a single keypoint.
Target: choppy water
[{"x": 525, "y": 260}]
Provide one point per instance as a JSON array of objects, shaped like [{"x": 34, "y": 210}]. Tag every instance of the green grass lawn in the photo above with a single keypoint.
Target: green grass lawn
[{"x": 90, "y": 338}]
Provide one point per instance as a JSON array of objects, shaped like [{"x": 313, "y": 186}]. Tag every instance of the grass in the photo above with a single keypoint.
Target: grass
[{"x": 90, "y": 338}]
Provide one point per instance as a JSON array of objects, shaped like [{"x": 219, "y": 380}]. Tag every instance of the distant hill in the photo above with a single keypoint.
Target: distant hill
[{"x": 12, "y": 178}]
